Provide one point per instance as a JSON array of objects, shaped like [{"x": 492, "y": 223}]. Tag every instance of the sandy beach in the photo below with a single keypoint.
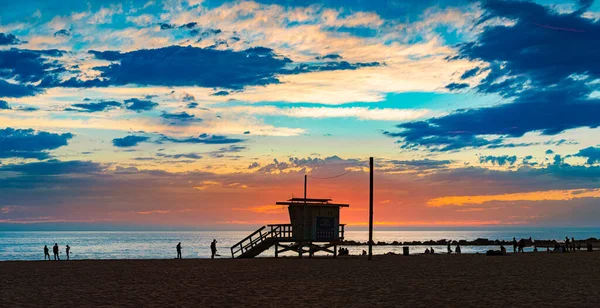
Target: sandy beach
[{"x": 534, "y": 279}]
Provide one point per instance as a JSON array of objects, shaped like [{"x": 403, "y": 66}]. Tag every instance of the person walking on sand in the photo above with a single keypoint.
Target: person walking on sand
[
  {"x": 213, "y": 249},
  {"x": 68, "y": 250},
  {"x": 449, "y": 248},
  {"x": 178, "y": 250},
  {"x": 573, "y": 244},
  {"x": 567, "y": 243},
  {"x": 514, "y": 245},
  {"x": 521, "y": 245},
  {"x": 457, "y": 249},
  {"x": 55, "y": 251},
  {"x": 46, "y": 253}
]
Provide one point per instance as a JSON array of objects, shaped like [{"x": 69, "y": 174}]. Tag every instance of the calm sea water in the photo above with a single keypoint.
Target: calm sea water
[{"x": 161, "y": 245}]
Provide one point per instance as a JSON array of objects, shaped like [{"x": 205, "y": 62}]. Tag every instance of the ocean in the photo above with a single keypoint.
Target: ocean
[{"x": 28, "y": 245}]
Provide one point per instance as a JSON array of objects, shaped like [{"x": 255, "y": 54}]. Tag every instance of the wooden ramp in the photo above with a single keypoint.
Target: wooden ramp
[
  {"x": 281, "y": 236},
  {"x": 261, "y": 240}
]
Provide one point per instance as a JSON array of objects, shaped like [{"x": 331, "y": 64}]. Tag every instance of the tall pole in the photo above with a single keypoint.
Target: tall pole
[
  {"x": 371, "y": 208},
  {"x": 305, "y": 237}
]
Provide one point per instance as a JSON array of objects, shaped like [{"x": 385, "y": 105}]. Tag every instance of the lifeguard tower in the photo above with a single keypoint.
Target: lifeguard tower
[{"x": 314, "y": 226}]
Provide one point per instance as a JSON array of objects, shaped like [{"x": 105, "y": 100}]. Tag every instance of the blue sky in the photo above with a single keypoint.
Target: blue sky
[{"x": 234, "y": 101}]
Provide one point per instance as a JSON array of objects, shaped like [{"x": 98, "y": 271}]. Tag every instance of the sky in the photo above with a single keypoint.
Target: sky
[{"x": 201, "y": 114}]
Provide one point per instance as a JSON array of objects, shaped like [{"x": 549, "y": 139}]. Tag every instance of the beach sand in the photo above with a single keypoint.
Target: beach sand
[{"x": 534, "y": 279}]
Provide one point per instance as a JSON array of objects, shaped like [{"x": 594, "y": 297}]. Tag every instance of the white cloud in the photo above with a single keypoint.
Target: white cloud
[{"x": 362, "y": 113}]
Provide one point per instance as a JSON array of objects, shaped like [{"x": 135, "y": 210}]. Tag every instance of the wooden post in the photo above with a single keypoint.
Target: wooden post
[
  {"x": 371, "y": 208},
  {"x": 276, "y": 250},
  {"x": 334, "y": 251},
  {"x": 304, "y": 236}
]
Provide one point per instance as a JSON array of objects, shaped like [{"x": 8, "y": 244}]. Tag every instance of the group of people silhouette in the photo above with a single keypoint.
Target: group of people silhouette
[
  {"x": 56, "y": 252},
  {"x": 457, "y": 250},
  {"x": 213, "y": 250}
]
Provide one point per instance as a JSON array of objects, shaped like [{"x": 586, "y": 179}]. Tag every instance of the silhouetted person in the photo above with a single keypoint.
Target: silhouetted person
[
  {"x": 457, "y": 250},
  {"x": 427, "y": 251},
  {"x": 535, "y": 249},
  {"x": 449, "y": 249},
  {"x": 179, "y": 250},
  {"x": 514, "y": 245},
  {"x": 55, "y": 250},
  {"x": 521, "y": 245},
  {"x": 68, "y": 249},
  {"x": 573, "y": 244},
  {"x": 46, "y": 252},
  {"x": 213, "y": 249},
  {"x": 567, "y": 243},
  {"x": 432, "y": 251},
  {"x": 502, "y": 250}
]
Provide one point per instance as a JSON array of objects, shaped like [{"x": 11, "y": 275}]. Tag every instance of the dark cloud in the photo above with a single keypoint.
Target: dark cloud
[
  {"x": 332, "y": 66},
  {"x": 180, "y": 118},
  {"x": 109, "y": 55},
  {"x": 202, "y": 139},
  {"x": 457, "y": 86},
  {"x": 547, "y": 71},
  {"x": 188, "y": 98},
  {"x": 27, "y": 143},
  {"x": 189, "y": 25},
  {"x": 139, "y": 105},
  {"x": 419, "y": 165},
  {"x": 54, "y": 167},
  {"x": 27, "y": 109},
  {"x": 8, "y": 39},
  {"x": 319, "y": 166},
  {"x": 511, "y": 145},
  {"x": 192, "y": 105},
  {"x": 30, "y": 66},
  {"x": 165, "y": 26},
  {"x": 180, "y": 156},
  {"x": 498, "y": 160},
  {"x": 8, "y": 89},
  {"x": 422, "y": 162},
  {"x": 95, "y": 107},
  {"x": 230, "y": 149},
  {"x": 205, "y": 67},
  {"x": 206, "y": 33},
  {"x": 591, "y": 153},
  {"x": 62, "y": 32},
  {"x": 331, "y": 56},
  {"x": 527, "y": 161},
  {"x": 191, "y": 66},
  {"x": 4, "y": 105},
  {"x": 129, "y": 141},
  {"x": 423, "y": 134},
  {"x": 220, "y": 93},
  {"x": 470, "y": 73}
]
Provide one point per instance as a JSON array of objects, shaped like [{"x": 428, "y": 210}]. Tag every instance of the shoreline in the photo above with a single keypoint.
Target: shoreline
[{"x": 351, "y": 256}]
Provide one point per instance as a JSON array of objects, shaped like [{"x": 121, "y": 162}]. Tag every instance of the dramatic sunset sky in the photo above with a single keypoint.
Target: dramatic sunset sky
[{"x": 202, "y": 114}]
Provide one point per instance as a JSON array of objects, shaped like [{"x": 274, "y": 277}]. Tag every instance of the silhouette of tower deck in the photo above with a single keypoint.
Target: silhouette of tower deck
[{"x": 314, "y": 226}]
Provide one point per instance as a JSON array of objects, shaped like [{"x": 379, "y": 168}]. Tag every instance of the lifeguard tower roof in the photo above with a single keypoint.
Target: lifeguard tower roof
[{"x": 311, "y": 202}]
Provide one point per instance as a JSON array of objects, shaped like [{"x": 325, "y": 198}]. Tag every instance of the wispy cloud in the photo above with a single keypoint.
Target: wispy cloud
[{"x": 550, "y": 195}]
